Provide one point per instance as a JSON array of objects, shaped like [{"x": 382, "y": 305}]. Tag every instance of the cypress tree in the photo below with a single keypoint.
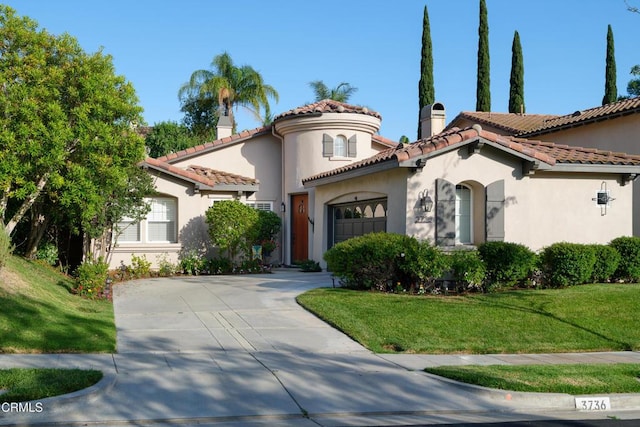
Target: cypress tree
[
  {"x": 516, "y": 82},
  {"x": 426, "y": 91},
  {"x": 483, "y": 91},
  {"x": 610, "y": 89}
]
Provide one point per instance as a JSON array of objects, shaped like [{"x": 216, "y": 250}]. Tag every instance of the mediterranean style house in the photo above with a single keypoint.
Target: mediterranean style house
[{"x": 324, "y": 169}]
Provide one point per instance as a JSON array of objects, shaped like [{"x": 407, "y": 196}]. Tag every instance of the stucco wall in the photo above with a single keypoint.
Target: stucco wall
[
  {"x": 190, "y": 224},
  {"x": 390, "y": 184},
  {"x": 539, "y": 210}
]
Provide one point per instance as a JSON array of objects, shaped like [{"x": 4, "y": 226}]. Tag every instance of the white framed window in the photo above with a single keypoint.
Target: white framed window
[
  {"x": 261, "y": 206},
  {"x": 340, "y": 146},
  {"x": 161, "y": 220},
  {"x": 463, "y": 215},
  {"x": 127, "y": 230}
]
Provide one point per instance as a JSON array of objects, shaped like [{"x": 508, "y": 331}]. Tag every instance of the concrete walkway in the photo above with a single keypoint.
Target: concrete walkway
[{"x": 238, "y": 350}]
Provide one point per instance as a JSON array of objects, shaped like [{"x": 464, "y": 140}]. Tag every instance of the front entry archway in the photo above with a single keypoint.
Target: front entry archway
[{"x": 299, "y": 227}]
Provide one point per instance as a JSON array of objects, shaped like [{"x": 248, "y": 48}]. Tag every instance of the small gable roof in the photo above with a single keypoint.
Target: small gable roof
[
  {"x": 508, "y": 122},
  {"x": 326, "y": 106},
  {"x": 548, "y": 154},
  {"x": 204, "y": 178},
  {"x": 209, "y": 146},
  {"x": 579, "y": 118}
]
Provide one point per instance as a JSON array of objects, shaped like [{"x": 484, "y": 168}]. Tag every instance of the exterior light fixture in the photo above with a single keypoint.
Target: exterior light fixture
[
  {"x": 426, "y": 203},
  {"x": 283, "y": 207},
  {"x": 603, "y": 198}
]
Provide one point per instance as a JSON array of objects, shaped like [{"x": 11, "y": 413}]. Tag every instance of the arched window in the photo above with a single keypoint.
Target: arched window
[
  {"x": 340, "y": 146},
  {"x": 463, "y": 215}
]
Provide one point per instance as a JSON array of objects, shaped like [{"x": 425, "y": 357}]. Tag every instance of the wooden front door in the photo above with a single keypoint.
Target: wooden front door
[{"x": 299, "y": 227}]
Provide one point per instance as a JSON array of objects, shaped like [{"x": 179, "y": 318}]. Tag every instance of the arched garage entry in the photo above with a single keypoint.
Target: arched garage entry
[{"x": 356, "y": 218}]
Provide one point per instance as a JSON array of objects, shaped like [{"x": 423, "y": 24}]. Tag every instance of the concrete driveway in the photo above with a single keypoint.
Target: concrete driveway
[{"x": 239, "y": 351}]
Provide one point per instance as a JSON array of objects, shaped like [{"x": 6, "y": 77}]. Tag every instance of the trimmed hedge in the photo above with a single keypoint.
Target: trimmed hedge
[
  {"x": 467, "y": 269},
  {"x": 607, "y": 261},
  {"x": 379, "y": 260},
  {"x": 567, "y": 264},
  {"x": 629, "y": 267},
  {"x": 508, "y": 264}
]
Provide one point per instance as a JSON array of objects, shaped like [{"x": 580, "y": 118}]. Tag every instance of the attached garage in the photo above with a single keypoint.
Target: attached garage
[{"x": 357, "y": 218}]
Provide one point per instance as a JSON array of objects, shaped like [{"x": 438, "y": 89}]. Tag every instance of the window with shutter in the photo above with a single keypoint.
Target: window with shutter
[
  {"x": 340, "y": 146},
  {"x": 327, "y": 145},
  {"x": 495, "y": 211}
]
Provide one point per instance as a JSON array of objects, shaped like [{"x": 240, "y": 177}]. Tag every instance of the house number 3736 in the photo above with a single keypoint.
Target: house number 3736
[{"x": 593, "y": 404}]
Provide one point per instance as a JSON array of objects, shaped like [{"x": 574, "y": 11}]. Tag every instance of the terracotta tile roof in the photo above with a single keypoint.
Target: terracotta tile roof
[
  {"x": 199, "y": 174},
  {"x": 615, "y": 109},
  {"x": 509, "y": 122},
  {"x": 219, "y": 177},
  {"x": 384, "y": 141},
  {"x": 202, "y": 148},
  {"x": 326, "y": 106},
  {"x": 546, "y": 152}
]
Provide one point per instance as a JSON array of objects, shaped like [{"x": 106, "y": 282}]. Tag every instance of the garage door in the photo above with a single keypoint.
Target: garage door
[{"x": 358, "y": 218}]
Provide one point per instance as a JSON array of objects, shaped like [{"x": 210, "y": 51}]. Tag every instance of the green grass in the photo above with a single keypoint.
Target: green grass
[
  {"x": 33, "y": 384},
  {"x": 578, "y": 319},
  {"x": 571, "y": 379},
  {"x": 38, "y": 314}
]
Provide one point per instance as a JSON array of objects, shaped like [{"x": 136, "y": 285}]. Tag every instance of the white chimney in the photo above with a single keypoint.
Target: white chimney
[
  {"x": 432, "y": 119},
  {"x": 224, "y": 128}
]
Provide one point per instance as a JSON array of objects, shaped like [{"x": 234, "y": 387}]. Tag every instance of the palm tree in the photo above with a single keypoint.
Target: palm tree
[
  {"x": 231, "y": 86},
  {"x": 340, "y": 93}
]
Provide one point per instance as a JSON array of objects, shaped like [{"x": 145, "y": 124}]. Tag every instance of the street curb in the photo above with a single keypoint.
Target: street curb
[
  {"x": 89, "y": 394},
  {"x": 551, "y": 401}
]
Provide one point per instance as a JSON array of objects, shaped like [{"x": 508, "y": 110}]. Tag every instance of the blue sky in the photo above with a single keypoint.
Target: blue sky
[{"x": 373, "y": 45}]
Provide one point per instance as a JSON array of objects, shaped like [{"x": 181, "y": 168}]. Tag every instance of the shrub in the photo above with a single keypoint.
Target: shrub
[
  {"x": 165, "y": 267},
  {"x": 140, "y": 267},
  {"x": 629, "y": 266},
  {"x": 567, "y": 264},
  {"x": 421, "y": 263},
  {"x": 5, "y": 247},
  {"x": 467, "y": 269},
  {"x": 233, "y": 226},
  {"x": 507, "y": 264},
  {"x": 366, "y": 262},
  {"x": 192, "y": 263},
  {"x": 310, "y": 266},
  {"x": 48, "y": 252},
  {"x": 250, "y": 266},
  {"x": 220, "y": 265},
  {"x": 91, "y": 278},
  {"x": 607, "y": 261}
]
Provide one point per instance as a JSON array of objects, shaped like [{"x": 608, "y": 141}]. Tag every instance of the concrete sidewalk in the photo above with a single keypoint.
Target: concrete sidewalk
[{"x": 238, "y": 350}]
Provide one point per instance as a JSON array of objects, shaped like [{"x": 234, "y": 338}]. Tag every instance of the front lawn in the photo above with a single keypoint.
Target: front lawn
[
  {"x": 577, "y": 319},
  {"x": 22, "y": 385},
  {"x": 571, "y": 379},
  {"x": 38, "y": 314}
]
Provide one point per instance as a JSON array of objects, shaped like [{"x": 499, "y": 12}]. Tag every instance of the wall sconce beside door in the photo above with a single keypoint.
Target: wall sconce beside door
[{"x": 426, "y": 203}]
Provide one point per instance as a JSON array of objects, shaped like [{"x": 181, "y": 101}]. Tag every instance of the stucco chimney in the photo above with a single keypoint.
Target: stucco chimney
[
  {"x": 432, "y": 119},
  {"x": 224, "y": 128}
]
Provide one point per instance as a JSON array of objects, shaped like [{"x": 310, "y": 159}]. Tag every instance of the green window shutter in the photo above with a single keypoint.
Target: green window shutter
[
  {"x": 445, "y": 213},
  {"x": 327, "y": 145},
  {"x": 495, "y": 211},
  {"x": 352, "y": 146}
]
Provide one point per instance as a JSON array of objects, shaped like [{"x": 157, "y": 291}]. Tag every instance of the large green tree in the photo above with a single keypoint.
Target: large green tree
[
  {"x": 66, "y": 138},
  {"x": 516, "y": 82},
  {"x": 483, "y": 86},
  {"x": 610, "y": 88},
  {"x": 633, "y": 87},
  {"x": 228, "y": 86},
  {"x": 426, "y": 89},
  {"x": 340, "y": 93},
  {"x": 167, "y": 137}
]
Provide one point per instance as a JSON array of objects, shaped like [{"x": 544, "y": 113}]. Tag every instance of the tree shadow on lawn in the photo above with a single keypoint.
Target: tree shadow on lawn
[
  {"x": 34, "y": 326},
  {"x": 541, "y": 311}
]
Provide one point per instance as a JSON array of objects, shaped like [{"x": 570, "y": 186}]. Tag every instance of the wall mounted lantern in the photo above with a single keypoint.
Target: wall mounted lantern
[
  {"x": 283, "y": 207},
  {"x": 426, "y": 203},
  {"x": 603, "y": 198}
]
